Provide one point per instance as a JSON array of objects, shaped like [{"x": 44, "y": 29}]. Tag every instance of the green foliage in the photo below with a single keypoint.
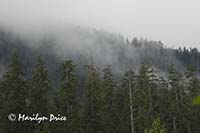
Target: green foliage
[
  {"x": 143, "y": 96},
  {"x": 40, "y": 89},
  {"x": 68, "y": 104},
  {"x": 156, "y": 127},
  {"x": 69, "y": 85},
  {"x": 40, "y": 98},
  {"x": 93, "y": 101},
  {"x": 107, "y": 112},
  {"x": 13, "y": 95},
  {"x": 123, "y": 101},
  {"x": 196, "y": 101},
  {"x": 104, "y": 106}
]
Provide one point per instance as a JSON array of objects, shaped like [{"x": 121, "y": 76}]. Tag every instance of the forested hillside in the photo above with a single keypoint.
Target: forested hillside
[
  {"x": 86, "y": 46},
  {"x": 102, "y": 82}
]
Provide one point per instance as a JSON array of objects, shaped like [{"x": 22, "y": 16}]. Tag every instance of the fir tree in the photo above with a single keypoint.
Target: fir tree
[
  {"x": 108, "y": 88},
  {"x": 67, "y": 97},
  {"x": 176, "y": 94},
  {"x": 123, "y": 103},
  {"x": 191, "y": 113},
  {"x": 93, "y": 101},
  {"x": 144, "y": 95},
  {"x": 40, "y": 95},
  {"x": 13, "y": 96}
]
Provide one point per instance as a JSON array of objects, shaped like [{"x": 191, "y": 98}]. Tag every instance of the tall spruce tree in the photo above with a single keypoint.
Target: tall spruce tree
[
  {"x": 191, "y": 113},
  {"x": 128, "y": 84},
  {"x": 144, "y": 96},
  {"x": 163, "y": 102},
  {"x": 176, "y": 93},
  {"x": 93, "y": 101},
  {"x": 121, "y": 111},
  {"x": 108, "y": 112},
  {"x": 40, "y": 95},
  {"x": 67, "y": 98},
  {"x": 13, "y": 96},
  {"x": 122, "y": 104}
]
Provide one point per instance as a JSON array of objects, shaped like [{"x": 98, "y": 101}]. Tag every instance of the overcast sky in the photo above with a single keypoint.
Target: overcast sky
[{"x": 175, "y": 22}]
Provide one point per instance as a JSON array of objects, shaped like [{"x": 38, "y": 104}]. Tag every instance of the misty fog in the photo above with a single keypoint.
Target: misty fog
[{"x": 175, "y": 22}]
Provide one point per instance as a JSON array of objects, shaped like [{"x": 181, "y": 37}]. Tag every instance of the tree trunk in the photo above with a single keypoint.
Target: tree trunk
[
  {"x": 131, "y": 106},
  {"x": 189, "y": 128},
  {"x": 174, "y": 124}
]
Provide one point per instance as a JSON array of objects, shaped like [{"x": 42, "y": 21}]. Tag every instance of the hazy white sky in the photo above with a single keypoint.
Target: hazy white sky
[{"x": 175, "y": 22}]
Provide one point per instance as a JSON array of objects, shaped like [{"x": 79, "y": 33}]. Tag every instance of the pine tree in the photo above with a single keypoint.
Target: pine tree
[
  {"x": 193, "y": 83},
  {"x": 123, "y": 104},
  {"x": 67, "y": 95},
  {"x": 191, "y": 113},
  {"x": 129, "y": 82},
  {"x": 40, "y": 95},
  {"x": 13, "y": 96},
  {"x": 144, "y": 95},
  {"x": 163, "y": 102},
  {"x": 93, "y": 101},
  {"x": 108, "y": 88},
  {"x": 121, "y": 109},
  {"x": 176, "y": 93}
]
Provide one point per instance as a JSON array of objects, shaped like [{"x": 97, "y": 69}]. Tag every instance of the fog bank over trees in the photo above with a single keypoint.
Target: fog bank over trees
[{"x": 86, "y": 46}]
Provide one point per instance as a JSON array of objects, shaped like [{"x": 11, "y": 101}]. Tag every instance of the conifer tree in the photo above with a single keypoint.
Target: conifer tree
[
  {"x": 193, "y": 83},
  {"x": 129, "y": 82},
  {"x": 93, "y": 101},
  {"x": 121, "y": 109},
  {"x": 108, "y": 88},
  {"x": 13, "y": 96},
  {"x": 176, "y": 93},
  {"x": 163, "y": 102},
  {"x": 191, "y": 113},
  {"x": 144, "y": 93},
  {"x": 40, "y": 95},
  {"x": 67, "y": 97},
  {"x": 122, "y": 104}
]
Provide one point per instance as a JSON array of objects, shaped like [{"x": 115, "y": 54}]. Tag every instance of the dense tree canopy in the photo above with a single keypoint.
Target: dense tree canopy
[
  {"x": 134, "y": 86},
  {"x": 140, "y": 101}
]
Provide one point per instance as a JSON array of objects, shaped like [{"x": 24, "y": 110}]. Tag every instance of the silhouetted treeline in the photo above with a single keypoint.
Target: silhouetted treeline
[
  {"x": 107, "y": 104},
  {"x": 188, "y": 56}
]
